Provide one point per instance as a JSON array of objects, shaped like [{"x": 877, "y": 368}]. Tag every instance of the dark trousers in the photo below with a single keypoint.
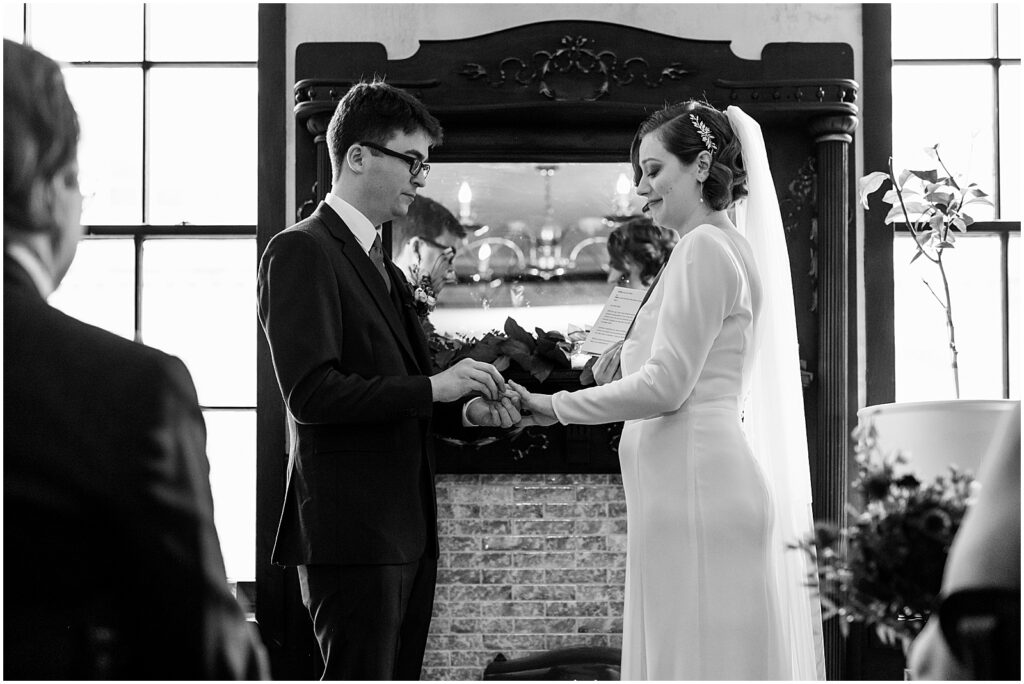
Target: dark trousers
[{"x": 371, "y": 620}]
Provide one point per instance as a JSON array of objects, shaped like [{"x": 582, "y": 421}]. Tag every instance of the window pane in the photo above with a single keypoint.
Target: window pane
[
  {"x": 231, "y": 449},
  {"x": 199, "y": 303},
  {"x": 99, "y": 286},
  {"x": 1014, "y": 283},
  {"x": 87, "y": 31},
  {"x": 965, "y": 134},
  {"x": 110, "y": 150},
  {"x": 922, "y": 344},
  {"x": 1009, "y": 30},
  {"x": 942, "y": 30},
  {"x": 202, "y": 168},
  {"x": 14, "y": 21},
  {"x": 201, "y": 31},
  {"x": 1009, "y": 141}
]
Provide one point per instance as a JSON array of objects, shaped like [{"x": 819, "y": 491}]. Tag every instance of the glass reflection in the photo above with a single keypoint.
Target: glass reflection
[
  {"x": 198, "y": 303},
  {"x": 922, "y": 349},
  {"x": 99, "y": 286},
  {"x": 110, "y": 150},
  {"x": 195, "y": 165},
  {"x": 535, "y": 244}
]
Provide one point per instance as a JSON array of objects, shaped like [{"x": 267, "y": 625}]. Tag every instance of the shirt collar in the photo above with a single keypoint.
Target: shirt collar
[
  {"x": 360, "y": 226},
  {"x": 28, "y": 260}
]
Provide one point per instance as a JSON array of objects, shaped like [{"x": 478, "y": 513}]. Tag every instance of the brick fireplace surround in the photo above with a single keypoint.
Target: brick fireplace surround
[{"x": 528, "y": 563}]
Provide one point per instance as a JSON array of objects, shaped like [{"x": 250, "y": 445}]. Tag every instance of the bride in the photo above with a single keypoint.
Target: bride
[{"x": 713, "y": 451}]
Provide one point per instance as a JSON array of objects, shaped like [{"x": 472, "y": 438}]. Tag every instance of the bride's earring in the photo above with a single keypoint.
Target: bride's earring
[{"x": 700, "y": 189}]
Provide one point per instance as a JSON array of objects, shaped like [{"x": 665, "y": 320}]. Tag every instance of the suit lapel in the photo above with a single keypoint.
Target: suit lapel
[
  {"x": 353, "y": 252},
  {"x": 407, "y": 311}
]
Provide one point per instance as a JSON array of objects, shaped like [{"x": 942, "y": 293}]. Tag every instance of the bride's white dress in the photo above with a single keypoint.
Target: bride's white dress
[{"x": 701, "y": 601}]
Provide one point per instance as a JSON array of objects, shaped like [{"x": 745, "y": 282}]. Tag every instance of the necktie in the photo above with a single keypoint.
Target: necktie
[{"x": 377, "y": 257}]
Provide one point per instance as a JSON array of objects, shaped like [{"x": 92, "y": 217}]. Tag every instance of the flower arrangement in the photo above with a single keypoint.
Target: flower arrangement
[
  {"x": 932, "y": 207},
  {"x": 884, "y": 570}
]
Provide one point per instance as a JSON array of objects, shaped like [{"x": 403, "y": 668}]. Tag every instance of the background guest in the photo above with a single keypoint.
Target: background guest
[
  {"x": 425, "y": 242},
  {"x": 637, "y": 249},
  {"x": 113, "y": 568}
]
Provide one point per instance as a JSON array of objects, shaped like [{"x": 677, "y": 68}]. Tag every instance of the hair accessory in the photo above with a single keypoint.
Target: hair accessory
[{"x": 705, "y": 133}]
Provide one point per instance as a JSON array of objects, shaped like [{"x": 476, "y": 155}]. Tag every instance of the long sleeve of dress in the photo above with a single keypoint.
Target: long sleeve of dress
[{"x": 701, "y": 284}]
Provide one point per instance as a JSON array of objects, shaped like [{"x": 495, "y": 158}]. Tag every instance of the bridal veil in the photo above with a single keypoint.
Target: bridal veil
[{"x": 774, "y": 414}]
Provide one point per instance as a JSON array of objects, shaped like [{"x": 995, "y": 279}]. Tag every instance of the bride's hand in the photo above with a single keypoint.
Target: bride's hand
[{"x": 537, "y": 409}]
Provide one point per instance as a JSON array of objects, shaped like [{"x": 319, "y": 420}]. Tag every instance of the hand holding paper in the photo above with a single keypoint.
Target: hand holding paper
[{"x": 615, "y": 320}]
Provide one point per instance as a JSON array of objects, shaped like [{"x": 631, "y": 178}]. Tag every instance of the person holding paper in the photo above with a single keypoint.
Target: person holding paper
[
  {"x": 710, "y": 593},
  {"x": 637, "y": 249}
]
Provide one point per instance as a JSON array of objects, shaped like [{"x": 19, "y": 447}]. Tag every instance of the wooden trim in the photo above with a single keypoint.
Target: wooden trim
[
  {"x": 876, "y": 107},
  {"x": 272, "y": 217}
]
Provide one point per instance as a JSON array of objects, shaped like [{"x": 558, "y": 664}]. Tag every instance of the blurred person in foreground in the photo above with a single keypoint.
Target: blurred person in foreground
[
  {"x": 984, "y": 557},
  {"x": 113, "y": 568}
]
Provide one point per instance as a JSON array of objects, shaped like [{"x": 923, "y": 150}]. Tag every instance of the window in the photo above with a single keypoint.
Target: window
[
  {"x": 960, "y": 63},
  {"x": 170, "y": 184}
]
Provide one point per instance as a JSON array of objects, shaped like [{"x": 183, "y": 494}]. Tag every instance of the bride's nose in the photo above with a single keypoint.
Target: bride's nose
[{"x": 643, "y": 188}]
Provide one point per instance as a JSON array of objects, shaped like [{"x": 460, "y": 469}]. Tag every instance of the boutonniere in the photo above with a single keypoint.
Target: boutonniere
[{"x": 423, "y": 296}]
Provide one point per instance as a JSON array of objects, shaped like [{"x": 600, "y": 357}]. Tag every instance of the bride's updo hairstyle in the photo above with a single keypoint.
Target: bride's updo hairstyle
[{"x": 727, "y": 180}]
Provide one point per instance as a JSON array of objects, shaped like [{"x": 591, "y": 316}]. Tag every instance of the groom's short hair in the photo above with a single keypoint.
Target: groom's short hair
[
  {"x": 374, "y": 112},
  {"x": 428, "y": 219}
]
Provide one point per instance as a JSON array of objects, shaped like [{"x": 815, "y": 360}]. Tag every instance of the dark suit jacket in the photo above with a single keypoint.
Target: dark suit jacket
[
  {"x": 353, "y": 366},
  {"x": 112, "y": 565}
]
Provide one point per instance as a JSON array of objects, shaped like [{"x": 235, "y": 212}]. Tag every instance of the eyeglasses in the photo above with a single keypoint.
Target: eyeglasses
[
  {"x": 416, "y": 165},
  {"x": 446, "y": 250}
]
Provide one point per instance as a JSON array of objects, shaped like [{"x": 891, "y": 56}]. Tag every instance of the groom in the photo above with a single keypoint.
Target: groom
[{"x": 359, "y": 518}]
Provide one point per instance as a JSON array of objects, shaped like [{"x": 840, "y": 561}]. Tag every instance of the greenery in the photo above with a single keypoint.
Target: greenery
[
  {"x": 885, "y": 568},
  {"x": 538, "y": 354},
  {"x": 932, "y": 207}
]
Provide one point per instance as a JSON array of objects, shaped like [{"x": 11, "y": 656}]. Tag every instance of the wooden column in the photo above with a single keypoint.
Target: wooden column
[
  {"x": 317, "y": 125},
  {"x": 832, "y": 137}
]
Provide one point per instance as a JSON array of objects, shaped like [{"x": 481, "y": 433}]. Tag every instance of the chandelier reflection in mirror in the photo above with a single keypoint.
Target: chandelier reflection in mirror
[{"x": 535, "y": 245}]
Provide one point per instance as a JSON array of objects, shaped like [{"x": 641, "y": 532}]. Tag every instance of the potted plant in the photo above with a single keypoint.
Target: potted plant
[
  {"x": 884, "y": 568},
  {"x": 933, "y": 207}
]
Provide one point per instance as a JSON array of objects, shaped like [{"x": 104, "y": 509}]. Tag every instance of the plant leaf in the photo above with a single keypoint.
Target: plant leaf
[
  {"x": 516, "y": 332},
  {"x": 959, "y": 224},
  {"x": 929, "y": 176},
  {"x": 939, "y": 197},
  {"x": 868, "y": 184},
  {"x": 979, "y": 200}
]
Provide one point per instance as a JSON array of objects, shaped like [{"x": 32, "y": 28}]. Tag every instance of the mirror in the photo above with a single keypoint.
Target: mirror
[{"x": 535, "y": 244}]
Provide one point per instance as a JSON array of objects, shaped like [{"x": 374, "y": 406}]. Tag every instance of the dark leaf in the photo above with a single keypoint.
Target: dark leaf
[
  {"x": 541, "y": 368},
  {"x": 514, "y": 331},
  {"x": 929, "y": 176}
]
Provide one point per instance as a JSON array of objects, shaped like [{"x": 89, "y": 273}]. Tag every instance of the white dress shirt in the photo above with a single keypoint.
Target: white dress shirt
[{"x": 28, "y": 260}]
